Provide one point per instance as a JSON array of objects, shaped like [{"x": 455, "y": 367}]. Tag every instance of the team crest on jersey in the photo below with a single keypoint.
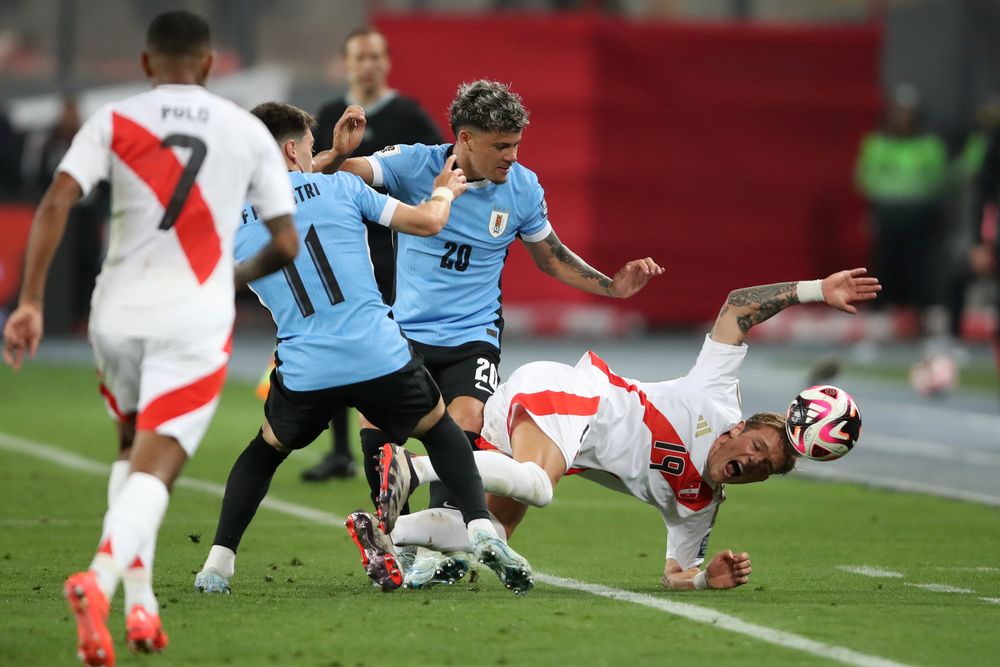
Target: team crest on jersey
[
  {"x": 498, "y": 222},
  {"x": 388, "y": 150}
]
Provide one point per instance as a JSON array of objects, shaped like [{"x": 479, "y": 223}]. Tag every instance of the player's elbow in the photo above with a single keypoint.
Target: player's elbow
[{"x": 286, "y": 244}]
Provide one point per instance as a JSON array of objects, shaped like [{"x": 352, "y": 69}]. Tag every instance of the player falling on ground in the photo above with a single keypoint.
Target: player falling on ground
[
  {"x": 337, "y": 345},
  {"x": 671, "y": 444},
  {"x": 448, "y": 286},
  {"x": 181, "y": 162}
]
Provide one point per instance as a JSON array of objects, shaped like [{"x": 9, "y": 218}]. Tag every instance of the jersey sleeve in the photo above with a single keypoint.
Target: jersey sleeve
[
  {"x": 393, "y": 164},
  {"x": 687, "y": 537},
  {"x": 373, "y": 205},
  {"x": 88, "y": 160},
  {"x": 535, "y": 226},
  {"x": 270, "y": 190},
  {"x": 716, "y": 372}
]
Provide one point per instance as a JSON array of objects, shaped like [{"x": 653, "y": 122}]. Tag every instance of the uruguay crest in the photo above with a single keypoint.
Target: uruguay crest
[{"x": 498, "y": 222}]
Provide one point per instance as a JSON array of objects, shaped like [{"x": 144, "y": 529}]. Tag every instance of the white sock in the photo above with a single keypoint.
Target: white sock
[
  {"x": 116, "y": 480},
  {"x": 132, "y": 520},
  {"x": 221, "y": 559},
  {"x": 138, "y": 580},
  {"x": 439, "y": 528},
  {"x": 525, "y": 481}
]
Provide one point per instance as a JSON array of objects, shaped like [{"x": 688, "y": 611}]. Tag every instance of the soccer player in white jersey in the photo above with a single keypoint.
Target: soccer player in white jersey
[
  {"x": 672, "y": 444},
  {"x": 181, "y": 162},
  {"x": 448, "y": 295}
]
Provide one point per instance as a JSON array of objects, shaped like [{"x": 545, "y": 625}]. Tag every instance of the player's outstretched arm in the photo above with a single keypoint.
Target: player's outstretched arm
[
  {"x": 555, "y": 259},
  {"x": 22, "y": 332},
  {"x": 280, "y": 250},
  {"x": 749, "y": 306},
  {"x": 347, "y": 136},
  {"x": 430, "y": 217},
  {"x": 725, "y": 570}
]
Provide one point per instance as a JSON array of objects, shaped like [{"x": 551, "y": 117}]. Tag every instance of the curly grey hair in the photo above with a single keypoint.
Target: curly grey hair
[{"x": 488, "y": 106}]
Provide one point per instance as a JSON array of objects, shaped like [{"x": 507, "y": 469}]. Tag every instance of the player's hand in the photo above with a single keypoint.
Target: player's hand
[
  {"x": 728, "y": 570},
  {"x": 349, "y": 131},
  {"x": 451, "y": 177},
  {"x": 844, "y": 287},
  {"x": 22, "y": 331},
  {"x": 633, "y": 277}
]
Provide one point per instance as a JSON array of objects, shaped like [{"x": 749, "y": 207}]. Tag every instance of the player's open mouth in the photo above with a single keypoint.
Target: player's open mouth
[{"x": 734, "y": 469}]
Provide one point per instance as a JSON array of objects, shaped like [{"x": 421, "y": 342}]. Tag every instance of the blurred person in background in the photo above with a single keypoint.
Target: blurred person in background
[
  {"x": 984, "y": 257},
  {"x": 903, "y": 173},
  {"x": 392, "y": 119},
  {"x": 85, "y": 229}
]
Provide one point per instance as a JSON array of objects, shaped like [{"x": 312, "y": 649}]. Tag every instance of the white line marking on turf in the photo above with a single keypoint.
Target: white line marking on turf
[
  {"x": 940, "y": 588},
  {"x": 685, "y": 610},
  {"x": 817, "y": 471},
  {"x": 870, "y": 571},
  {"x": 991, "y": 600}
]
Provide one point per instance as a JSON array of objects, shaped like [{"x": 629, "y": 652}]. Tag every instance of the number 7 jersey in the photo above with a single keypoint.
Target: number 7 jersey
[{"x": 182, "y": 162}]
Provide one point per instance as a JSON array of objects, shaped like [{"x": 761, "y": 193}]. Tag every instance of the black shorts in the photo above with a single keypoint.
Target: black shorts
[
  {"x": 466, "y": 370},
  {"x": 395, "y": 403}
]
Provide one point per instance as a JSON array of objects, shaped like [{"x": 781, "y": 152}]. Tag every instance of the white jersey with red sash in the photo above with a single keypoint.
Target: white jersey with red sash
[{"x": 647, "y": 439}]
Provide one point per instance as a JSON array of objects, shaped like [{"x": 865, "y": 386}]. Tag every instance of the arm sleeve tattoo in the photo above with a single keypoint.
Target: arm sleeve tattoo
[
  {"x": 760, "y": 303},
  {"x": 567, "y": 257}
]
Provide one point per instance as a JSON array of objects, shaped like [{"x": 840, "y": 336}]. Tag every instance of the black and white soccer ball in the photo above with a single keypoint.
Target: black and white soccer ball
[{"x": 823, "y": 423}]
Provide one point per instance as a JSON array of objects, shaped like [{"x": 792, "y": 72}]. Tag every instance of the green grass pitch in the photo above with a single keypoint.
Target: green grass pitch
[{"x": 300, "y": 596}]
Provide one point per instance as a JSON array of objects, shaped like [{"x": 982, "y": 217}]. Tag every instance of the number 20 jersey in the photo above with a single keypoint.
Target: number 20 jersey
[
  {"x": 334, "y": 328},
  {"x": 182, "y": 162},
  {"x": 448, "y": 285}
]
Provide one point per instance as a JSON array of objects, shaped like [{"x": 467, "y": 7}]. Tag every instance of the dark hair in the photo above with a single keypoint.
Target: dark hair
[
  {"x": 777, "y": 422},
  {"x": 363, "y": 31},
  {"x": 488, "y": 106},
  {"x": 284, "y": 121},
  {"x": 178, "y": 33}
]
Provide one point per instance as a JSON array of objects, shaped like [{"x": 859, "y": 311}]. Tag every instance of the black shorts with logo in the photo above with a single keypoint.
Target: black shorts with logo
[
  {"x": 469, "y": 369},
  {"x": 395, "y": 403}
]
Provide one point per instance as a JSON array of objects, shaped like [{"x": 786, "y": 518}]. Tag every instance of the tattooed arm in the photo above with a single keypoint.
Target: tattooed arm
[
  {"x": 555, "y": 259},
  {"x": 749, "y": 306}
]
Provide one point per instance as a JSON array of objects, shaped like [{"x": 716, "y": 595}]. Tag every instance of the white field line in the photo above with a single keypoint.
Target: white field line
[
  {"x": 991, "y": 600},
  {"x": 940, "y": 588},
  {"x": 868, "y": 571},
  {"x": 683, "y": 609}
]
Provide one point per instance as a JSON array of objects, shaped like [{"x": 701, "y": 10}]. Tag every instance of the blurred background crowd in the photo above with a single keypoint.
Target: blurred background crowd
[{"x": 735, "y": 141}]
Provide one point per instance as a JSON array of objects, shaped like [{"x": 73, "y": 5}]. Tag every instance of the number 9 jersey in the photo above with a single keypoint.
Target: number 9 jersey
[{"x": 182, "y": 162}]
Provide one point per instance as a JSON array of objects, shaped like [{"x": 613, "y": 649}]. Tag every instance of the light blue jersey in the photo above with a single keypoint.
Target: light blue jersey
[
  {"x": 333, "y": 327},
  {"x": 448, "y": 285}
]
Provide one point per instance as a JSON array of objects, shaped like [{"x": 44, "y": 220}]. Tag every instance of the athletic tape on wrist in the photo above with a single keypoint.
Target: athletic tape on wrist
[
  {"x": 443, "y": 192},
  {"x": 809, "y": 291},
  {"x": 701, "y": 580}
]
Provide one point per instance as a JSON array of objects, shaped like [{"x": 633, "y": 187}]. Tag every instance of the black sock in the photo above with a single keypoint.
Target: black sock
[
  {"x": 440, "y": 496},
  {"x": 338, "y": 426},
  {"x": 455, "y": 465},
  {"x": 245, "y": 489}
]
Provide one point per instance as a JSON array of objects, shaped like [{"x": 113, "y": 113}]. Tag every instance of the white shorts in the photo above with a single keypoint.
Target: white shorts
[
  {"x": 170, "y": 386},
  {"x": 562, "y": 400}
]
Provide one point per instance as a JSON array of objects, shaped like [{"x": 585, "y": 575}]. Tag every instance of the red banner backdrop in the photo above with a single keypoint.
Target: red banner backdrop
[{"x": 725, "y": 152}]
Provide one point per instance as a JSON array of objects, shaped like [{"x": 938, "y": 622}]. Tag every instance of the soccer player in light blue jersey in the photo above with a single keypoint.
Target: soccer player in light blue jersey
[
  {"x": 448, "y": 286},
  {"x": 337, "y": 345}
]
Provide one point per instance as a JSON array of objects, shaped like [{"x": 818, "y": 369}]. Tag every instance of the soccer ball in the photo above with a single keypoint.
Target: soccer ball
[{"x": 823, "y": 423}]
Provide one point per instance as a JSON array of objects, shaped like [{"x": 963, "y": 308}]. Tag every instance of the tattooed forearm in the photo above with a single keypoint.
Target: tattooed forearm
[
  {"x": 756, "y": 304},
  {"x": 567, "y": 257}
]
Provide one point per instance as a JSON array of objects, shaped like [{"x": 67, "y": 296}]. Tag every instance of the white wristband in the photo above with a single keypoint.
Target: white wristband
[
  {"x": 701, "y": 580},
  {"x": 809, "y": 291},
  {"x": 444, "y": 193}
]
